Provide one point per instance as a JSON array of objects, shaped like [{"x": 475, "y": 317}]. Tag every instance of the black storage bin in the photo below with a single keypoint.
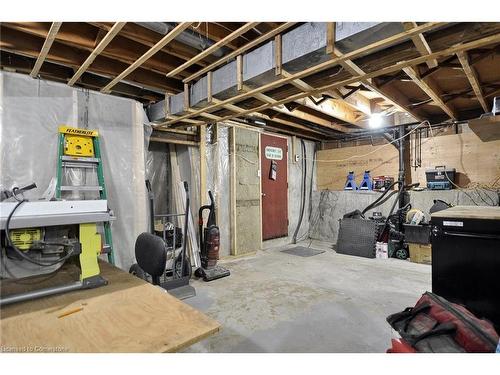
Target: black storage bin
[{"x": 420, "y": 233}]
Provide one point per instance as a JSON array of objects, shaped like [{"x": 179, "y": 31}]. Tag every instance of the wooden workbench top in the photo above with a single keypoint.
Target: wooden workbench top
[
  {"x": 469, "y": 212},
  {"x": 127, "y": 315}
]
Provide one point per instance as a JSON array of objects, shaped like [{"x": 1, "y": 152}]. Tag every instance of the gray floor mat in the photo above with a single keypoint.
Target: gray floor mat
[{"x": 302, "y": 251}]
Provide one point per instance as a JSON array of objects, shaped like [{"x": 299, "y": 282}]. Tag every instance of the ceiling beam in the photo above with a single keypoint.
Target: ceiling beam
[
  {"x": 332, "y": 107},
  {"x": 239, "y": 110},
  {"x": 421, "y": 44},
  {"x": 355, "y": 70},
  {"x": 239, "y": 51},
  {"x": 60, "y": 73},
  {"x": 328, "y": 64},
  {"x": 100, "y": 47},
  {"x": 212, "y": 48},
  {"x": 356, "y": 101},
  {"x": 28, "y": 45},
  {"x": 51, "y": 36},
  {"x": 158, "y": 46},
  {"x": 298, "y": 83},
  {"x": 214, "y": 32},
  {"x": 86, "y": 37},
  {"x": 380, "y": 72},
  {"x": 431, "y": 89},
  {"x": 297, "y": 113},
  {"x": 148, "y": 38},
  {"x": 471, "y": 74}
]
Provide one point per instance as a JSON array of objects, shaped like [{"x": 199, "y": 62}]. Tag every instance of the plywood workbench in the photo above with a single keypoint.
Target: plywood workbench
[{"x": 127, "y": 315}]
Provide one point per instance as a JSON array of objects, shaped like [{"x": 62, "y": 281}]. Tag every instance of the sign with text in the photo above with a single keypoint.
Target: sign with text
[{"x": 274, "y": 153}]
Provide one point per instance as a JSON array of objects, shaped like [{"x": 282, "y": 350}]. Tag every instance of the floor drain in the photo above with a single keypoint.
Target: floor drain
[{"x": 302, "y": 251}]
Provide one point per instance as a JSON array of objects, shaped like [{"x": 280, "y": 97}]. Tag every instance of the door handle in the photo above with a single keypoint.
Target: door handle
[{"x": 263, "y": 194}]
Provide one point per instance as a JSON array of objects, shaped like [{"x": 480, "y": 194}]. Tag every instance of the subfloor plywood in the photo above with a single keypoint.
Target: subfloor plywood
[{"x": 127, "y": 315}]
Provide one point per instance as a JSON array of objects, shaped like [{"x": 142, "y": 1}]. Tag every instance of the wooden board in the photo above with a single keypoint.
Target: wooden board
[
  {"x": 127, "y": 315},
  {"x": 274, "y": 190},
  {"x": 332, "y": 175},
  {"x": 470, "y": 212},
  {"x": 475, "y": 161},
  {"x": 486, "y": 128}
]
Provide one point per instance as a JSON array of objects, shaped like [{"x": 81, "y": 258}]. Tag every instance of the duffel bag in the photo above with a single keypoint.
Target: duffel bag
[{"x": 437, "y": 325}]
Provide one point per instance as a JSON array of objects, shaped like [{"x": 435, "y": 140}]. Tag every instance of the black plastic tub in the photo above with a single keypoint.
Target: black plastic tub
[{"x": 420, "y": 233}]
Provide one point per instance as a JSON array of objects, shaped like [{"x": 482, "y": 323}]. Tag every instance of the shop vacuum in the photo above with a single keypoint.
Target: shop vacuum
[{"x": 209, "y": 245}]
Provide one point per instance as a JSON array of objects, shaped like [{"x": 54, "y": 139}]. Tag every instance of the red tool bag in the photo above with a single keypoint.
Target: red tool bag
[{"x": 436, "y": 325}]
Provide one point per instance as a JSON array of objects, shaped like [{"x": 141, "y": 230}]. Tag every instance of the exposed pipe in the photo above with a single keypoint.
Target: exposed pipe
[
  {"x": 303, "y": 190},
  {"x": 401, "y": 174}
]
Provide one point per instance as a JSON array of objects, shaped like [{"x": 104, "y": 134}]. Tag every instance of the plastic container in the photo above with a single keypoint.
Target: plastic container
[{"x": 420, "y": 233}]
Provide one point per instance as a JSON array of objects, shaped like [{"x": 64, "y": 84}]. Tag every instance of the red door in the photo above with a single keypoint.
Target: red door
[{"x": 274, "y": 175}]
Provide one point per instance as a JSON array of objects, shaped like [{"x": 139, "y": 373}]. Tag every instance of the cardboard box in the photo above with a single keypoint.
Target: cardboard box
[{"x": 420, "y": 253}]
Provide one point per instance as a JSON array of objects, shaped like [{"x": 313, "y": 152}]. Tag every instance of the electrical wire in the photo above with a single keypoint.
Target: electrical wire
[
  {"x": 22, "y": 254},
  {"x": 459, "y": 187},
  {"x": 377, "y": 149}
]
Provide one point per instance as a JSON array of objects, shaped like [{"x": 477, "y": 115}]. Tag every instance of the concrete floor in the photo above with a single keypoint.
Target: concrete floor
[{"x": 277, "y": 302}]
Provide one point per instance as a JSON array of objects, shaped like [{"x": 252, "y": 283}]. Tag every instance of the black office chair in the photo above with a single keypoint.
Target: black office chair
[{"x": 151, "y": 255}]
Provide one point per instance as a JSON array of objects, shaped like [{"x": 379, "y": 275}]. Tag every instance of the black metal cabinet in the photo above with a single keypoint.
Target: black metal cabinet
[{"x": 466, "y": 258}]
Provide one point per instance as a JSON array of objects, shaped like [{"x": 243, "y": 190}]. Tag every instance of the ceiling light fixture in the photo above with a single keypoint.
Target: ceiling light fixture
[{"x": 375, "y": 120}]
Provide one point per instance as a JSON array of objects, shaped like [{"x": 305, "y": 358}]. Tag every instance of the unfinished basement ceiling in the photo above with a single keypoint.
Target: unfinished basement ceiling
[{"x": 459, "y": 82}]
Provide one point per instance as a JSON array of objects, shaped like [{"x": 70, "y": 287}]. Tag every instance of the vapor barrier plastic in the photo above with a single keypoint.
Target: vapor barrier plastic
[
  {"x": 217, "y": 149},
  {"x": 31, "y": 110}
]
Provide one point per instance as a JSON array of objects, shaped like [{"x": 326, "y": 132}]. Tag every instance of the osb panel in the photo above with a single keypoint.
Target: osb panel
[
  {"x": 475, "y": 161},
  {"x": 333, "y": 167}
]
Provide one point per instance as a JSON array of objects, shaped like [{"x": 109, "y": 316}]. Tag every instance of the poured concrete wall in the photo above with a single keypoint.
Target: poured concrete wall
[{"x": 330, "y": 206}]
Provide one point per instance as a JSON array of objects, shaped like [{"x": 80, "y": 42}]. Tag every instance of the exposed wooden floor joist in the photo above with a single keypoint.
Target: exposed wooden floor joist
[
  {"x": 239, "y": 51},
  {"x": 85, "y": 54},
  {"x": 213, "y": 48},
  {"x": 431, "y": 89},
  {"x": 335, "y": 61},
  {"x": 421, "y": 44},
  {"x": 473, "y": 79},
  {"x": 158, "y": 46},
  {"x": 100, "y": 47},
  {"x": 396, "y": 67},
  {"x": 51, "y": 36},
  {"x": 355, "y": 70}
]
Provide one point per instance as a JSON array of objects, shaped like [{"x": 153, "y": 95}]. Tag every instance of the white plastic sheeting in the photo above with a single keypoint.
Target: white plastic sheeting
[
  {"x": 31, "y": 111},
  {"x": 158, "y": 173},
  {"x": 218, "y": 179}
]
